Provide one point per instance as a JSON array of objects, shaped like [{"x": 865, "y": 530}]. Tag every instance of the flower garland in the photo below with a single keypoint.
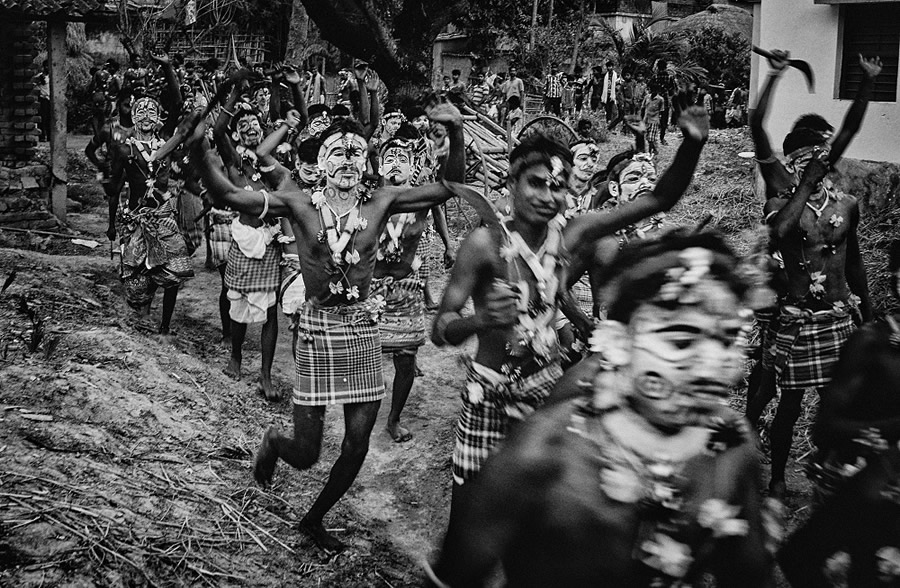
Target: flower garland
[
  {"x": 146, "y": 149},
  {"x": 341, "y": 240},
  {"x": 535, "y": 331},
  {"x": 390, "y": 247}
]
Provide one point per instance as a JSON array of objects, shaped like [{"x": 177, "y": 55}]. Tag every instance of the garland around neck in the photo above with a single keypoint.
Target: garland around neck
[
  {"x": 391, "y": 247},
  {"x": 536, "y": 334},
  {"x": 341, "y": 240},
  {"x": 248, "y": 156}
]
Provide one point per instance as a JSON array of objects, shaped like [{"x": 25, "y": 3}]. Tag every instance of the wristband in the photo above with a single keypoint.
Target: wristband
[
  {"x": 231, "y": 114},
  {"x": 267, "y": 168},
  {"x": 265, "y": 211}
]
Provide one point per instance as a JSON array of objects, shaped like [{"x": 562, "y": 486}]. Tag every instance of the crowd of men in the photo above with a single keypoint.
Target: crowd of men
[{"x": 594, "y": 444}]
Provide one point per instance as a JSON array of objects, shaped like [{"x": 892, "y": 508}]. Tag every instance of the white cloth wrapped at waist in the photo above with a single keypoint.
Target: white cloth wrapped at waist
[
  {"x": 251, "y": 307},
  {"x": 253, "y": 240}
]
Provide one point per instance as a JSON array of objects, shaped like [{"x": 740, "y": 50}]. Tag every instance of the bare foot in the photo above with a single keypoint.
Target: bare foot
[
  {"x": 419, "y": 372},
  {"x": 398, "y": 434},
  {"x": 321, "y": 537},
  {"x": 226, "y": 340},
  {"x": 233, "y": 369},
  {"x": 266, "y": 458},
  {"x": 266, "y": 388}
]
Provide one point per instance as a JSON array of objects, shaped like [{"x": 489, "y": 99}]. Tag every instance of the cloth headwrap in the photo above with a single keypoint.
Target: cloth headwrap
[{"x": 398, "y": 142}]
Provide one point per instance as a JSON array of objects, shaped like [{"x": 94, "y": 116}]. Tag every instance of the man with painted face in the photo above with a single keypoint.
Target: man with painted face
[
  {"x": 154, "y": 253},
  {"x": 337, "y": 348},
  {"x": 250, "y": 276},
  {"x": 644, "y": 476},
  {"x": 814, "y": 230},
  {"x": 319, "y": 119},
  {"x": 852, "y": 537},
  {"x": 513, "y": 273},
  {"x": 397, "y": 279}
]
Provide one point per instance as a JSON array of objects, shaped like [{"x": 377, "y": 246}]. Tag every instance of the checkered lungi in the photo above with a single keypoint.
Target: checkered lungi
[
  {"x": 767, "y": 323},
  {"x": 491, "y": 403},
  {"x": 337, "y": 354},
  {"x": 652, "y": 132},
  {"x": 220, "y": 234},
  {"x": 808, "y": 345},
  {"x": 402, "y": 324},
  {"x": 426, "y": 252},
  {"x": 153, "y": 252},
  {"x": 244, "y": 275},
  {"x": 581, "y": 292}
]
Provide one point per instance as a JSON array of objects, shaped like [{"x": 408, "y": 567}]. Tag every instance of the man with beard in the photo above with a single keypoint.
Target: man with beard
[
  {"x": 513, "y": 274},
  {"x": 396, "y": 279},
  {"x": 646, "y": 477},
  {"x": 250, "y": 276},
  {"x": 154, "y": 253},
  {"x": 825, "y": 279},
  {"x": 337, "y": 348}
]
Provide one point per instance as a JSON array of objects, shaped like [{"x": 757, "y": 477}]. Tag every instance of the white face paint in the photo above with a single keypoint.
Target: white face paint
[
  {"x": 638, "y": 177},
  {"x": 262, "y": 98},
  {"x": 585, "y": 156},
  {"x": 396, "y": 164},
  {"x": 421, "y": 123},
  {"x": 685, "y": 361},
  {"x": 343, "y": 157},
  {"x": 310, "y": 173},
  {"x": 249, "y": 130},
  {"x": 319, "y": 124},
  {"x": 145, "y": 114}
]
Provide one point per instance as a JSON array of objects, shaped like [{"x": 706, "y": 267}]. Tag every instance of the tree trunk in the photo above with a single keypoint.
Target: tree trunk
[
  {"x": 298, "y": 33},
  {"x": 578, "y": 35}
]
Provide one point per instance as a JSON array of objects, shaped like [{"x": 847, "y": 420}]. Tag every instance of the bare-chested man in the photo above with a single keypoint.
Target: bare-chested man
[
  {"x": 397, "y": 278},
  {"x": 852, "y": 537},
  {"x": 814, "y": 231},
  {"x": 513, "y": 274},
  {"x": 644, "y": 476},
  {"x": 337, "y": 349},
  {"x": 114, "y": 132},
  {"x": 154, "y": 253}
]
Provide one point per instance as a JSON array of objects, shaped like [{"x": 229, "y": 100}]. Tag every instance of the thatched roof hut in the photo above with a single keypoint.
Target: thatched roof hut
[{"x": 730, "y": 19}]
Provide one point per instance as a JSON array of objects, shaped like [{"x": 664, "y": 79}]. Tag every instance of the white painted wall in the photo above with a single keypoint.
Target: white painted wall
[{"x": 811, "y": 32}]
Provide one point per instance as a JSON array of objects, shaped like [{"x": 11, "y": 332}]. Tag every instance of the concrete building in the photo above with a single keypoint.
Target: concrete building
[{"x": 830, "y": 34}]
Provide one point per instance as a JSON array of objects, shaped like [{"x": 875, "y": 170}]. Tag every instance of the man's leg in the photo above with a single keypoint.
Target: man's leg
[
  {"x": 781, "y": 434},
  {"x": 404, "y": 374},
  {"x": 224, "y": 308},
  {"x": 238, "y": 333},
  {"x": 300, "y": 451},
  {"x": 663, "y": 124},
  {"x": 170, "y": 295},
  {"x": 267, "y": 341},
  {"x": 760, "y": 392},
  {"x": 358, "y": 421}
]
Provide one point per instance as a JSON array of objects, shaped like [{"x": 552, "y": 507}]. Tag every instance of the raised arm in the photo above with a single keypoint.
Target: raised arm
[
  {"x": 787, "y": 218},
  {"x": 853, "y": 120},
  {"x": 273, "y": 172},
  {"x": 671, "y": 186},
  {"x": 292, "y": 77},
  {"x": 773, "y": 172},
  {"x": 174, "y": 93},
  {"x": 224, "y": 145},
  {"x": 422, "y": 197},
  {"x": 225, "y": 194}
]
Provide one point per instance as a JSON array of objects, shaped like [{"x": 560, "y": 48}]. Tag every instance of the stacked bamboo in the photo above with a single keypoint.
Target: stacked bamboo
[{"x": 487, "y": 150}]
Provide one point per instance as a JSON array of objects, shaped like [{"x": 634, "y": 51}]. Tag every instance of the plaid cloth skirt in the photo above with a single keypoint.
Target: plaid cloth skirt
[
  {"x": 581, "y": 292},
  {"x": 808, "y": 344},
  {"x": 426, "y": 251},
  {"x": 767, "y": 323},
  {"x": 652, "y": 133},
  {"x": 337, "y": 354},
  {"x": 402, "y": 324},
  {"x": 154, "y": 253},
  {"x": 243, "y": 274},
  {"x": 220, "y": 234},
  {"x": 492, "y": 402}
]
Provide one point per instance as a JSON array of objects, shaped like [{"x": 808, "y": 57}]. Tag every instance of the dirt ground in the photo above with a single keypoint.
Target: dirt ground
[{"x": 125, "y": 459}]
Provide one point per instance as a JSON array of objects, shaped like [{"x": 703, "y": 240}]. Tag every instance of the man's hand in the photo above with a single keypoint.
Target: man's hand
[
  {"x": 500, "y": 308},
  {"x": 160, "y": 58},
  {"x": 448, "y": 259},
  {"x": 372, "y": 80},
  {"x": 291, "y": 75},
  {"x": 360, "y": 68},
  {"x": 779, "y": 59},
  {"x": 871, "y": 67},
  {"x": 816, "y": 170},
  {"x": 292, "y": 119},
  {"x": 694, "y": 122},
  {"x": 634, "y": 122},
  {"x": 446, "y": 113}
]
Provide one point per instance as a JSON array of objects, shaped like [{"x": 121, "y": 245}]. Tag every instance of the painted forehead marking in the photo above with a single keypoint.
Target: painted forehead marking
[{"x": 345, "y": 139}]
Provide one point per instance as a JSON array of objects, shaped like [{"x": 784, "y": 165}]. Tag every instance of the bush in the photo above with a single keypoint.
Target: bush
[{"x": 725, "y": 56}]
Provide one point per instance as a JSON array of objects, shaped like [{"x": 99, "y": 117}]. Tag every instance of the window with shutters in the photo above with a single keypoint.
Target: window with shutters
[{"x": 871, "y": 30}]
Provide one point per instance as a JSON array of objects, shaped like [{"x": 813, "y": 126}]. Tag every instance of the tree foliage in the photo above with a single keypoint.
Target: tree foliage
[
  {"x": 726, "y": 56},
  {"x": 395, "y": 36}
]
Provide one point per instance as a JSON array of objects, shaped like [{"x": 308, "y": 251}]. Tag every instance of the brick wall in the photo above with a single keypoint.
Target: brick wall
[{"x": 24, "y": 178}]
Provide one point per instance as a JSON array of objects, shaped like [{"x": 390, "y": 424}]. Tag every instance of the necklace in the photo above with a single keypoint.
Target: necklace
[
  {"x": 390, "y": 246},
  {"x": 341, "y": 240},
  {"x": 818, "y": 211}
]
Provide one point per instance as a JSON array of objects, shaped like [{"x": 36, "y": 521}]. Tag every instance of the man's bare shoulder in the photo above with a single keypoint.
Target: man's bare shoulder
[{"x": 479, "y": 245}]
